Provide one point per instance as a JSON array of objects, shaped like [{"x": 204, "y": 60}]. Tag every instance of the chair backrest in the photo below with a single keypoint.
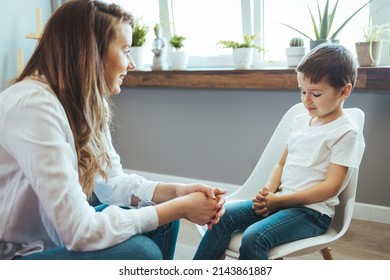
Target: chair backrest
[{"x": 344, "y": 211}]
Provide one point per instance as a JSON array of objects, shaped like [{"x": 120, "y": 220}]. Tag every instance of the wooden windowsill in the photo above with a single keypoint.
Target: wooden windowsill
[{"x": 370, "y": 78}]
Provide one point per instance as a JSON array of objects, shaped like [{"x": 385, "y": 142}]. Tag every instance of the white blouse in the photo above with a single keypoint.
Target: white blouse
[{"x": 41, "y": 201}]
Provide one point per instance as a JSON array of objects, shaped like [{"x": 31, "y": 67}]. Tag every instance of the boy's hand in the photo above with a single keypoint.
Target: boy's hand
[
  {"x": 260, "y": 201},
  {"x": 268, "y": 204}
]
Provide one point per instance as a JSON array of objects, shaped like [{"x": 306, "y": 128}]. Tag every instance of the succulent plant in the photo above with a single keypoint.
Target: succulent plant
[
  {"x": 324, "y": 22},
  {"x": 296, "y": 42}
]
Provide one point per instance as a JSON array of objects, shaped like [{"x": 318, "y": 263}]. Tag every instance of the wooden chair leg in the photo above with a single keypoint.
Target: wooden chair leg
[{"x": 326, "y": 254}]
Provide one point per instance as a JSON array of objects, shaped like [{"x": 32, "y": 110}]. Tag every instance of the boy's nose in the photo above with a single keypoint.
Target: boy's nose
[{"x": 306, "y": 99}]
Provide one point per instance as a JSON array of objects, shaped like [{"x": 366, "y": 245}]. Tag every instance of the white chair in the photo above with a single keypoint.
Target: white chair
[{"x": 259, "y": 176}]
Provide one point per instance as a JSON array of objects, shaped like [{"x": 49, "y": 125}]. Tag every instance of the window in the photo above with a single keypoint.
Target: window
[
  {"x": 196, "y": 21},
  {"x": 295, "y": 13},
  {"x": 147, "y": 11},
  {"x": 205, "y": 22}
]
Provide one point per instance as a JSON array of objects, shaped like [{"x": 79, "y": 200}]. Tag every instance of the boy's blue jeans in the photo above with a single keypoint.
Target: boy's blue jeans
[
  {"x": 154, "y": 245},
  {"x": 260, "y": 234}
]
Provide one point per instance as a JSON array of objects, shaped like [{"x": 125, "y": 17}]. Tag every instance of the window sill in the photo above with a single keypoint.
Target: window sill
[{"x": 369, "y": 78}]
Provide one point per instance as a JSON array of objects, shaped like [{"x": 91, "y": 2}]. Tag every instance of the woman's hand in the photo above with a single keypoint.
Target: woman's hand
[
  {"x": 221, "y": 211},
  {"x": 184, "y": 189},
  {"x": 199, "y": 209},
  {"x": 212, "y": 193},
  {"x": 170, "y": 198}
]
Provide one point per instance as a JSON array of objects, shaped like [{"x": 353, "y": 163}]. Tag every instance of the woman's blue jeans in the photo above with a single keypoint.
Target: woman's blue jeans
[
  {"x": 260, "y": 234},
  {"x": 154, "y": 245}
]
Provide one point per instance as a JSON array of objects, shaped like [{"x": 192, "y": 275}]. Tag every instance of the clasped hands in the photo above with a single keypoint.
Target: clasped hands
[
  {"x": 265, "y": 203},
  {"x": 207, "y": 203}
]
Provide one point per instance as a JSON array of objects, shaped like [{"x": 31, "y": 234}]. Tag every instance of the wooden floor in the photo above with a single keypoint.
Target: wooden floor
[{"x": 363, "y": 241}]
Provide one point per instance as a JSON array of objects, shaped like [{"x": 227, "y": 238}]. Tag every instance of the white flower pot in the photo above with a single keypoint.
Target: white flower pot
[
  {"x": 137, "y": 54},
  {"x": 295, "y": 55},
  {"x": 243, "y": 57},
  {"x": 178, "y": 60}
]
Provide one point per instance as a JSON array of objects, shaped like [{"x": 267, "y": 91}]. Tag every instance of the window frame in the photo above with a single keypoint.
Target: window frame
[{"x": 252, "y": 24}]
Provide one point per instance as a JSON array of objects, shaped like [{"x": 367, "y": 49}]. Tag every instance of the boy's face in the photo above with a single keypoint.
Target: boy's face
[{"x": 323, "y": 102}]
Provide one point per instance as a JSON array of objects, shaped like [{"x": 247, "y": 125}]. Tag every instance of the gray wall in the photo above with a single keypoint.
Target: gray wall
[{"x": 218, "y": 135}]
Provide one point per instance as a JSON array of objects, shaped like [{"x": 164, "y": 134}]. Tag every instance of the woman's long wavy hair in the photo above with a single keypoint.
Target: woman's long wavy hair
[{"x": 69, "y": 56}]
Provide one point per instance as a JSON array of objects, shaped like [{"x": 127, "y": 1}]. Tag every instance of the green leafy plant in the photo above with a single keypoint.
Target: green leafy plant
[
  {"x": 248, "y": 42},
  {"x": 322, "y": 26},
  {"x": 296, "y": 42},
  {"x": 139, "y": 34},
  {"x": 177, "y": 41}
]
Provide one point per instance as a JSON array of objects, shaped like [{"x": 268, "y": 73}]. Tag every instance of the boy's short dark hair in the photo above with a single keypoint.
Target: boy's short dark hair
[{"x": 331, "y": 61}]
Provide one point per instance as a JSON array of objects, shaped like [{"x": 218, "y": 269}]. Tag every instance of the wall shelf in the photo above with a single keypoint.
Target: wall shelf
[{"x": 369, "y": 78}]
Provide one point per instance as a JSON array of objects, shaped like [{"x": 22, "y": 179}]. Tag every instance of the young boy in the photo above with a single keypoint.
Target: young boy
[{"x": 302, "y": 190}]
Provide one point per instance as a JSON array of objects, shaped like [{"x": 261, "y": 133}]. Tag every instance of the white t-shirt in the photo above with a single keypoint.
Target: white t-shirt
[
  {"x": 312, "y": 148},
  {"x": 41, "y": 200}
]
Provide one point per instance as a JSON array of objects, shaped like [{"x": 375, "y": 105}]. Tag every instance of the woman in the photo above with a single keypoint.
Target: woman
[{"x": 56, "y": 150}]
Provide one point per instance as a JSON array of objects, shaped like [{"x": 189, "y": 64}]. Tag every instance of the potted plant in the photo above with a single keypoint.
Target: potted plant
[
  {"x": 242, "y": 52},
  {"x": 368, "y": 51},
  {"x": 295, "y": 52},
  {"x": 322, "y": 26},
  {"x": 178, "y": 56},
  {"x": 138, "y": 41}
]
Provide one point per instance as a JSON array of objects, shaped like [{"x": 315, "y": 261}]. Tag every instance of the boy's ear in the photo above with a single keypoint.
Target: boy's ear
[{"x": 346, "y": 91}]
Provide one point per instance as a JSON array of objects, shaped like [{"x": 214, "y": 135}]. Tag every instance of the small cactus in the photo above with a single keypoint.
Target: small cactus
[{"x": 296, "y": 42}]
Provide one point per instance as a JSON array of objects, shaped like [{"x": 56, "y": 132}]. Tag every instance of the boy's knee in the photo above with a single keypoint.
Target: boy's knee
[{"x": 253, "y": 247}]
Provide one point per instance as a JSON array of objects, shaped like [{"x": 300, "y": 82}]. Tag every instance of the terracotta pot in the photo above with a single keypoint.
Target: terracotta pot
[{"x": 368, "y": 54}]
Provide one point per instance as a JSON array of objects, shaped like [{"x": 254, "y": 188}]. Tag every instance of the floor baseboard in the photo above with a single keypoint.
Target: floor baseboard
[
  {"x": 362, "y": 211},
  {"x": 373, "y": 213}
]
